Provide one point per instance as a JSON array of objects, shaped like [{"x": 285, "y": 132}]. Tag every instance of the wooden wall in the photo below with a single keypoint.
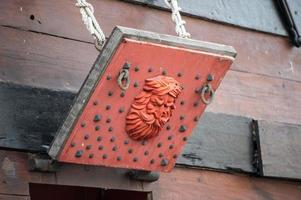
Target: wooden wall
[
  {"x": 44, "y": 44},
  {"x": 180, "y": 184},
  {"x": 54, "y": 51}
]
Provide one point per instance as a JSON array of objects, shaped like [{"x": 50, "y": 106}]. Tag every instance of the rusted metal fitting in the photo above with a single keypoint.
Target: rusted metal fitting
[{"x": 140, "y": 175}]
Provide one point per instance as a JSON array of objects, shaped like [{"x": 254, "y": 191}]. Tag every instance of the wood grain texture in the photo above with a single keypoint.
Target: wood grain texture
[
  {"x": 44, "y": 61},
  {"x": 258, "y": 53},
  {"x": 14, "y": 174},
  {"x": 280, "y": 149},
  {"x": 227, "y": 146},
  {"x": 32, "y": 116},
  {"x": 65, "y": 64},
  {"x": 198, "y": 184}
]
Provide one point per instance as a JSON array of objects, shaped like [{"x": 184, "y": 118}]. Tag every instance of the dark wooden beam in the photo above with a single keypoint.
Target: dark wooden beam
[
  {"x": 264, "y": 14},
  {"x": 280, "y": 149},
  {"x": 30, "y": 118}
]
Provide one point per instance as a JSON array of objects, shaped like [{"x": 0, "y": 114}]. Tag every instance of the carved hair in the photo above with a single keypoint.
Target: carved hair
[{"x": 152, "y": 108}]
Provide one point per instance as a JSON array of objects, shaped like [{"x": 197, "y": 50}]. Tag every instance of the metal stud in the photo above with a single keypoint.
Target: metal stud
[
  {"x": 182, "y": 102},
  {"x": 179, "y": 74},
  {"x": 79, "y": 153},
  {"x": 97, "y": 118},
  {"x": 126, "y": 65},
  {"x": 169, "y": 137},
  {"x": 104, "y": 156},
  {"x": 195, "y": 104},
  {"x": 182, "y": 128},
  {"x": 164, "y": 72},
  {"x": 83, "y": 124},
  {"x": 110, "y": 93},
  {"x": 126, "y": 142},
  {"x": 110, "y": 129},
  {"x": 168, "y": 127},
  {"x": 130, "y": 151},
  {"x": 122, "y": 94},
  {"x": 175, "y": 156},
  {"x": 135, "y": 159},
  {"x": 182, "y": 117},
  {"x": 121, "y": 110},
  {"x": 118, "y": 158},
  {"x": 171, "y": 146},
  {"x": 99, "y": 138},
  {"x": 197, "y": 77},
  {"x": 136, "y": 69},
  {"x": 136, "y": 84},
  {"x": 86, "y": 137},
  {"x": 88, "y": 147},
  {"x": 146, "y": 153},
  {"x": 95, "y": 103},
  {"x": 144, "y": 142},
  {"x": 114, "y": 148},
  {"x": 198, "y": 90},
  {"x": 97, "y": 127},
  {"x": 91, "y": 155},
  {"x": 109, "y": 77},
  {"x": 108, "y": 120},
  {"x": 152, "y": 161},
  {"x": 150, "y": 70},
  {"x": 196, "y": 118},
  {"x": 210, "y": 77},
  {"x": 161, "y": 155},
  {"x": 72, "y": 144},
  {"x": 100, "y": 147},
  {"x": 184, "y": 139},
  {"x": 112, "y": 139},
  {"x": 164, "y": 162},
  {"x": 159, "y": 145},
  {"x": 108, "y": 107}
]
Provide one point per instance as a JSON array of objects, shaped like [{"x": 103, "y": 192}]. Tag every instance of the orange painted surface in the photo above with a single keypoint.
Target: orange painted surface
[
  {"x": 100, "y": 136},
  {"x": 153, "y": 107}
]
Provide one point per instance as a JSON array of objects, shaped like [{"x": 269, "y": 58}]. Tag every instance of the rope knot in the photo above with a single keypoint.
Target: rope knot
[{"x": 87, "y": 12}]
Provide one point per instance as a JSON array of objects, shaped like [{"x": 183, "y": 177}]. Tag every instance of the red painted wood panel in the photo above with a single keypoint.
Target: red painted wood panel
[{"x": 102, "y": 141}]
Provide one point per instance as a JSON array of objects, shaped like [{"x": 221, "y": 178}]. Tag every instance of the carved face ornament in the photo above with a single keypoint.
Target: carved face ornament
[{"x": 153, "y": 107}]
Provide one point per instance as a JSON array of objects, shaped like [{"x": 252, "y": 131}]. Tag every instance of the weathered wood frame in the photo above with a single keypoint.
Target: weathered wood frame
[{"x": 103, "y": 60}]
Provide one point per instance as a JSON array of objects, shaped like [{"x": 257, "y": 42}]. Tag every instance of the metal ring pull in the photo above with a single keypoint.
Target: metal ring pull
[
  {"x": 207, "y": 89},
  {"x": 124, "y": 77}
]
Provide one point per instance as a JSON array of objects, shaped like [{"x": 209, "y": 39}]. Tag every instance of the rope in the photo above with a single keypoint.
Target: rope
[
  {"x": 87, "y": 12},
  {"x": 177, "y": 19}
]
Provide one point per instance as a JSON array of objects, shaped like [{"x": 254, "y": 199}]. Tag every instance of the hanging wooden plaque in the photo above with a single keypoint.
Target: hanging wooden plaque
[{"x": 141, "y": 101}]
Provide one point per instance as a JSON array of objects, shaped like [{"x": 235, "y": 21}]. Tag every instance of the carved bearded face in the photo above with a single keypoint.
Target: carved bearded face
[{"x": 152, "y": 108}]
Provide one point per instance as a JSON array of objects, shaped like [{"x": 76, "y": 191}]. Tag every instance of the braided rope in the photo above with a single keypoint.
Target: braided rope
[
  {"x": 87, "y": 12},
  {"x": 177, "y": 19}
]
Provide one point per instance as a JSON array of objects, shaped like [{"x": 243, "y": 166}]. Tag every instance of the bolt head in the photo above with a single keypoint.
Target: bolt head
[
  {"x": 108, "y": 107},
  {"x": 97, "y": 127},
  {"x": 122, "y": 94},
  {"x": 126, "y": 65},
  {"x": 164, "y": 162},
  {"x": 182, "y": 129},
  {"x": 79, "y": 153},
  {"x": 210, "y": 77},
  {"x": 97, "y": 118}
]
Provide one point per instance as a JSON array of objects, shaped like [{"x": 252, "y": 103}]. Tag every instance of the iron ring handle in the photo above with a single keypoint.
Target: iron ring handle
[
  {"x": 124, "y": 79},
  {"x": 207, "y": 88}
]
